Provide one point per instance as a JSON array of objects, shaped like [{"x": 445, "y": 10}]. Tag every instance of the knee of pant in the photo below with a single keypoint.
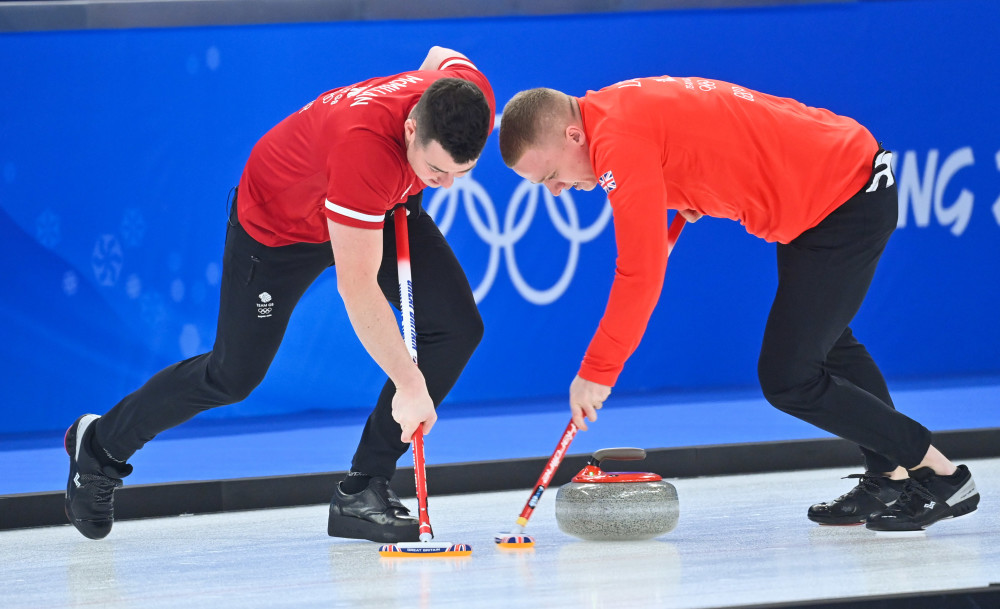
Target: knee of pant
[
  {"x": 233, "y": 388},
  {"x": 780, "y": 378},
  {"x": 768, "y": 375},
  {"x": 466, "y": 331},
  {"x": 475, "y": 331}
]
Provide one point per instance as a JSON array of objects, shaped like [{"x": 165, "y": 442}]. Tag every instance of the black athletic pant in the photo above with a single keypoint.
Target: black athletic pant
[
  {"x": 811, "y": 366},
  {"x": 260, "y": 287}
]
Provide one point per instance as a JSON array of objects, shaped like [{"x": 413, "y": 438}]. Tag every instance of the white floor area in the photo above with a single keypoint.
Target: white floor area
[{"x": 740, "y": 540}]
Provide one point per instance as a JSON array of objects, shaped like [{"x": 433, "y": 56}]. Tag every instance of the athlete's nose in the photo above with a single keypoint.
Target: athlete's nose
[{"x": 446, "y": 180}]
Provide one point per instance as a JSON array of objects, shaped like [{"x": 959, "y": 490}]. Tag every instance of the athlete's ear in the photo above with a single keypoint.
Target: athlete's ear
[
  {"x": 575, "y": 134},
  {"x": 409, "y": 130}
]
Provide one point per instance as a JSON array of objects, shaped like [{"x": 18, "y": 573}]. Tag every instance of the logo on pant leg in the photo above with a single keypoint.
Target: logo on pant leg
[
  {"x": 882, "y": 169},
  {"x": 264, "y": 305}
]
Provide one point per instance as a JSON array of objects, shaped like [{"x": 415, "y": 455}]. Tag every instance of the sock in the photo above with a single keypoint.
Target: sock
[
  {"x": 355, "y": 482},
  {"x": 109, "y": 465},
  {"x": 956, "y": 477}
]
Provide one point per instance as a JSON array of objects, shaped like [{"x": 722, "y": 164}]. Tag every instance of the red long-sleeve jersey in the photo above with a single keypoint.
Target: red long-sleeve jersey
[{"x": 773, "y": 164}]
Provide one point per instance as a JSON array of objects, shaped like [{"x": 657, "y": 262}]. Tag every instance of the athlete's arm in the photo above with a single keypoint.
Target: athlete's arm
[
  {"x": 640, "y": 224},
  {"x": 358, "y": 252},
  {"x": 639, "y": 203},
  {"x": 437, "y": 55}
]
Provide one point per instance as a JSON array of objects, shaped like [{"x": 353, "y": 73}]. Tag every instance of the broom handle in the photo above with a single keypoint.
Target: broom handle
[
  {"x": 426, "y": 534},
  {"x": 410, "y": 338},
  {"x": 543, "y": 481},
  {"x": 405, "y": 282},
  {"x": 674, "y": 231}
]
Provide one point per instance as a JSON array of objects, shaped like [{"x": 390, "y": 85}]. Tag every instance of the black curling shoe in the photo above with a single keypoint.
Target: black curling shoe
[
  {"x": 375, "y": 513},
  {"x": 90, "y": 490},
  {"x": 873, "y": 494},
  {"x": 927, "y": 499}
]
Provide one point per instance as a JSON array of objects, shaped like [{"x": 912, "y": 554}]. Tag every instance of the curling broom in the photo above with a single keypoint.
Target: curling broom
[{"x": 425, "y": 547}]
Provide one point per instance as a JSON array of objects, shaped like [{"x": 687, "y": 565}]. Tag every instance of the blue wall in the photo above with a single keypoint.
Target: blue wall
[{"x": 118, "y": 148}]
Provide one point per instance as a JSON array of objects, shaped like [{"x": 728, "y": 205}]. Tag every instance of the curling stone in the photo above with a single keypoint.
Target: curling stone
[{"x": 616, "y": 506}]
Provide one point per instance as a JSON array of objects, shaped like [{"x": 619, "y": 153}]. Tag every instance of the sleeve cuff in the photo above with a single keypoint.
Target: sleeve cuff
[
  {"x": 597, "y": 375},
  {"x": 453, "y": 62},
  {"x": 352, "y": 217}
]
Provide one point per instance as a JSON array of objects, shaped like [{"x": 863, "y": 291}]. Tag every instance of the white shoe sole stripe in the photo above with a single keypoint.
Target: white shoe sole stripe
[
  {"x": 968, "y": 490},
  {"x": 80, "y": 429}
]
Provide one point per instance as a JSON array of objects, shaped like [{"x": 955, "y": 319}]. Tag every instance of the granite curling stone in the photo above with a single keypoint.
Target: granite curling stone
[{"x": 616, "y": 506}]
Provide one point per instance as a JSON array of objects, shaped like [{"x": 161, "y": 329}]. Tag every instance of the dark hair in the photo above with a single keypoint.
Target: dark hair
[{"x": 454, "y": 113}]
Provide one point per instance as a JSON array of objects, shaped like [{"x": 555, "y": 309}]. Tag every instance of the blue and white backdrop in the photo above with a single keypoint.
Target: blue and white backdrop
[{"x": 118, "y": 149}]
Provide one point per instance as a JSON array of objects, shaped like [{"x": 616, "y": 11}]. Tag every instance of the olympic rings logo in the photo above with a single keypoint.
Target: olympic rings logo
[{"x": 467, "y": 192}]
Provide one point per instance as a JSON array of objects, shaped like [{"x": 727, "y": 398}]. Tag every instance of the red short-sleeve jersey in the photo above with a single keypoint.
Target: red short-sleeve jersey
[
  {"x": 773, "y": 164},
  {"x": 342, "y": 157}
]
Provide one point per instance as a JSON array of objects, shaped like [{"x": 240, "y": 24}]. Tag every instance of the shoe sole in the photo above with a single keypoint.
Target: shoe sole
[
  {"x": 958, "y": 510},
  {"x": 356, "y": 528},
  {"x": 846, "y": 523},
  {"x": 834, "y": 522}
]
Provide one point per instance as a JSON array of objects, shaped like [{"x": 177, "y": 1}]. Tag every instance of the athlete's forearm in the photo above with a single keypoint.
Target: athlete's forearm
[
  {"x": 375, "y": 325},
  {"x": 641, "y": 237},
  {"x": 358, "y": 254}
]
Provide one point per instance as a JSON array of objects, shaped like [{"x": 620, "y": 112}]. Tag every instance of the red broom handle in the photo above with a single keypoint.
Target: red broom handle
[{"x": 410, "y": 338}]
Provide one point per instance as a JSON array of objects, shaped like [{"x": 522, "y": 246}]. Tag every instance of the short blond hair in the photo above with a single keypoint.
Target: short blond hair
[{"x": 529, "y": 116}]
